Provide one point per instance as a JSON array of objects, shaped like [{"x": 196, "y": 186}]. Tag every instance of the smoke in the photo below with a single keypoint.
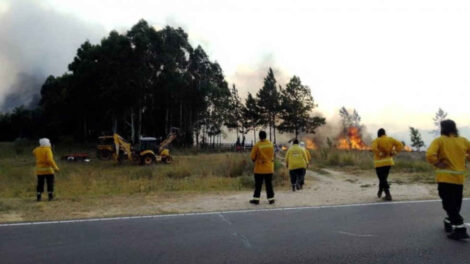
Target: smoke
[
  {"x": 250, "y": 78},
  {"x": 36, "y": 42}
]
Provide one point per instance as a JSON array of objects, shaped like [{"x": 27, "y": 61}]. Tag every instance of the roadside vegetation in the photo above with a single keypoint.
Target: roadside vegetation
[{"x": 410, "y": 167}]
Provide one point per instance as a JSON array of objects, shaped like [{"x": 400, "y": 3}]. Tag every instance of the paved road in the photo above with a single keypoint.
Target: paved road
[{"x": 378, "y": 233}]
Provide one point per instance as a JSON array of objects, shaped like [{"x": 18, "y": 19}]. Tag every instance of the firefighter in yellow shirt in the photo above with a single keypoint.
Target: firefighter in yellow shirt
[
  {"x": 448, "y": 153},
  {"x": 262, "y": 155},
  {"x": 384, "y": 148},
  {"x": 296, "y": 162},
  {"x": 45, "y": 167}
]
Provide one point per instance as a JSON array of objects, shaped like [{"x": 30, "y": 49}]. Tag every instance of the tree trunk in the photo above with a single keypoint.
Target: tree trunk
[
  {"x": 85, "y": 128},
  {"x": 254, "y": 136},
  {"x": 139, "y": 130},
  {"x": 274, "y": 129},
  {"x": 167, "y": 113},
  {"x": 181, "y": 114},
  {"x": 132, "y": 126}
]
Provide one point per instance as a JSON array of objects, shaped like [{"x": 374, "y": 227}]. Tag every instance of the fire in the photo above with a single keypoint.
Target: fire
[
  {"x": 309, "y": 144},
  {"x": 284, "y": 148},
  {"x": 407, "y": 148},
  {"x": 352, "y": 140}
]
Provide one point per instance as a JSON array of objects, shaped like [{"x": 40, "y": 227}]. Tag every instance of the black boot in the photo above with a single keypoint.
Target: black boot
[
  {"x": 459, "y": 232},
  {"x": 447, "y": 225},
  {"x": 254, "y": 201},
  {"x": 51, "y": 196},
  {"x": 379, "y": 193},
  {"x": 388, "y": 196},
  {"x": 272, "y": 201},
  {"x": 38, "y": 197},
  {"x": 293, "y": 187}
]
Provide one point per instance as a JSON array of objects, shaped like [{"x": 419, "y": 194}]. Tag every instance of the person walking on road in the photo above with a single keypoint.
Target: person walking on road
[
  {"x": 296, "y": 162},
  {"x": 262, "y": 155},
  {"x": 384, "y": 148},
  {"x": 309, "y": 157},
  {"x": 448, "y": 153},
  {"x": 45, "y": 167}
]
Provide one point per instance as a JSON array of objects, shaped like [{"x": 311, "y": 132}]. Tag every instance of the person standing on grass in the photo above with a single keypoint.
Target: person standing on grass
[
  {"x": 448, "y": 153},
  {"x": 309, "y": 157},
  {"x": 384, "y": 148},
  {"x": 45, "y": 167},
  {"x": 296, "y": 162},
  {"x": 262, "y": 155}
]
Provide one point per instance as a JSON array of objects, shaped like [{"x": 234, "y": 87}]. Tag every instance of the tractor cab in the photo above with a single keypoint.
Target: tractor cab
[{"x": 148, "y": 143}]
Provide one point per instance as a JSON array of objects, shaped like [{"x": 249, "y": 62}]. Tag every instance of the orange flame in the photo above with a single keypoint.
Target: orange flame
[
  {"x": 352, "y": 140},
  {"x": 284, "y": 148},
  {"x": 407, "y": 148},
  {"x": 309, "y": 144}
]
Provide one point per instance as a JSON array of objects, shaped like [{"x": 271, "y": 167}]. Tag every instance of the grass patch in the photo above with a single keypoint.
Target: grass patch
[{"x": 76, "y": 180}]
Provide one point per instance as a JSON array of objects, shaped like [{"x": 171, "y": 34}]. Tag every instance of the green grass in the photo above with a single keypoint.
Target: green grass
[{"x": 187, "y": 173}]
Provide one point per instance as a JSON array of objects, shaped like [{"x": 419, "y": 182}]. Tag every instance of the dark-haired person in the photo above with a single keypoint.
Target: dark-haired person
[
  {"x": 296, "y": 162},
  {"x": 45, "y": 167},
  {"x": 262, "y": 155},
  {"x": 447, "y": 153},
  {"x": 384, "y": 149}
]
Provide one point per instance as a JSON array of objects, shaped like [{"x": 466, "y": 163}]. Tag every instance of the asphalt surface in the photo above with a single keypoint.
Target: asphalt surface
[{"x": 379, "y": 233}]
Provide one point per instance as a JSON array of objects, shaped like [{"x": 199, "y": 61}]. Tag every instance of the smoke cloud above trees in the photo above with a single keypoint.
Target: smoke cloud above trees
[{"x": 36, "y": 42}]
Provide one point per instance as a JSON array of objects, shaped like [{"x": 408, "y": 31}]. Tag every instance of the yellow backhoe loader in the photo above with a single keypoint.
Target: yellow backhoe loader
[{"x": 146, "y": 153}]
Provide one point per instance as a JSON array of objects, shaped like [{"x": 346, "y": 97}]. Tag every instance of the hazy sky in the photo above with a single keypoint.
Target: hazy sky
[{"x": 396, "y": 62}]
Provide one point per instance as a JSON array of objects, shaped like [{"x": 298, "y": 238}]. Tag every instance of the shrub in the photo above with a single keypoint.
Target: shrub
[{"x": 246, "y": 181}]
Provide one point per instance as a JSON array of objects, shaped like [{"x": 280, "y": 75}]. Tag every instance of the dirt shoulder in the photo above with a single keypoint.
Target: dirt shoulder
[{"x": 327, "y": 187}]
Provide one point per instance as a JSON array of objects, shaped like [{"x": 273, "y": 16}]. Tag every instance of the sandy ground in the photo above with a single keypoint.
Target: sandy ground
[{"x": 320, "y": 189}]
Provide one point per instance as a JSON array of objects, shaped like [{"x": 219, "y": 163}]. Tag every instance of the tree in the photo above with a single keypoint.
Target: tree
[
  {"x": 251, "y": 115},
  {"x": 345, "y": 118},
  {"x": 234, "y": 115},
  {"x": 440, "y": 116},
  {"x": 416, "y": 140},
  {"x": 268, "y": 99},
  {"x": 296, "y": 106}
]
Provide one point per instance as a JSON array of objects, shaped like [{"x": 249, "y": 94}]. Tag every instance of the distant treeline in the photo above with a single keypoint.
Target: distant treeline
[{"x": 146, "y": 81}]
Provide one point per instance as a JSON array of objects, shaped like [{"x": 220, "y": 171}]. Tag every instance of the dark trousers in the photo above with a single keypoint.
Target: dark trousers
[
  {"x": 451, "y": 195},
  {"x": 382, "y": 173},
  {"x": 50, "y": 183},
  {"x": 268, "y": 178},
  {"x": 297, "y": 176}
]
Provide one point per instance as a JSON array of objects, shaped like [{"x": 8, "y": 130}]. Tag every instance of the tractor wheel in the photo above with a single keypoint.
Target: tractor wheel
[
  {"x": 147, "y": 159},
  {"x": 167, "y": 159},
  {"x": 103, "y": 155}
]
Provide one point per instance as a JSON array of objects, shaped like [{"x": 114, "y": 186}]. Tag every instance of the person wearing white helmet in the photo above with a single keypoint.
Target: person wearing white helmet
[{"x": 45, "y": 168}]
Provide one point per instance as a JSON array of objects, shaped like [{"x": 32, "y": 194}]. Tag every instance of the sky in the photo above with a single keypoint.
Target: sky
[{"x": 396, "y": 62}]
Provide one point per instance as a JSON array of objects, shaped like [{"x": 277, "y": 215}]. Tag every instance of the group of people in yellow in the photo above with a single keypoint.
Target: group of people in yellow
[{"x": 447, "y": 153}]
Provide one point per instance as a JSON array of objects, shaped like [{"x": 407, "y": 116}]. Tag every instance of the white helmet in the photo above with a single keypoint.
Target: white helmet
[
  {"x": 44, "y": 142},
  {"x": 302, "y": 144}
]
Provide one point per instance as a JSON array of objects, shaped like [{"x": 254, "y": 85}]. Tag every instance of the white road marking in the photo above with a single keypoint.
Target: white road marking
[
  {"x": 244, "y": 240},
  {"x": 225, "y": 219},
  {"x": 355, "y": 235},
  {"x": 218, "y": 212}
]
